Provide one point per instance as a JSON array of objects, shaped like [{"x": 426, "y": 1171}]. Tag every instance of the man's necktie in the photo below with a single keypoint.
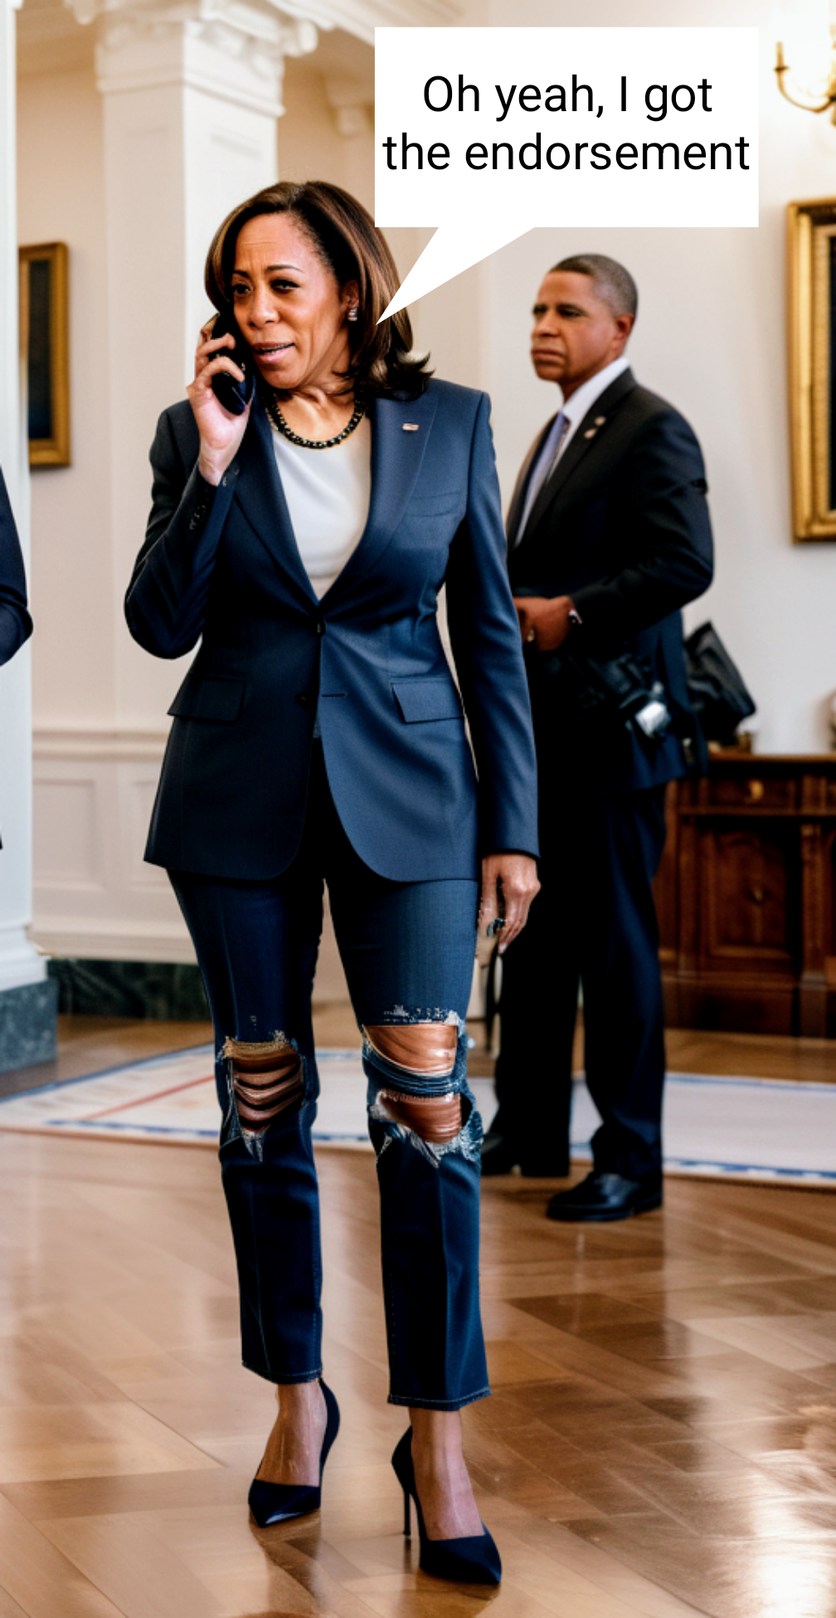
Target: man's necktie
[{"x": 545, "y": 464}]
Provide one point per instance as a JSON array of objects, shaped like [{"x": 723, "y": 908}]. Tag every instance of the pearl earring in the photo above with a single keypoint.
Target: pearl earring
[{"x": 352, "y": 313}]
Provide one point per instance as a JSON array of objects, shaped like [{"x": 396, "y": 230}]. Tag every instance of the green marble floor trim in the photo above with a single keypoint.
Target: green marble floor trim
[
  {"x": 160, "y": 990},
  {"x": 27, "y": 1025}
]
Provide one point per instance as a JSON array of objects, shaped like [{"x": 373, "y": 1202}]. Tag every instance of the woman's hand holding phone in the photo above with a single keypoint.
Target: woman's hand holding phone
[{"x": 220, "y": 431}]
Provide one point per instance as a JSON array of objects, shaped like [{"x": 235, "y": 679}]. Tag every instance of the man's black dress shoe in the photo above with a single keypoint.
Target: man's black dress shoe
[
  {"x": 606, "y": 1196},
  {"x": 500, "y": 1156}
]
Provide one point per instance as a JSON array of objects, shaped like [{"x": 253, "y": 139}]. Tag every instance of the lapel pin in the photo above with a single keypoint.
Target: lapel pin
[{"x": 410, "y": 427}]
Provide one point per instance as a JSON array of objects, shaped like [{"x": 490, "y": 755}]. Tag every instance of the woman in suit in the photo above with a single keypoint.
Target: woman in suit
[{"x": 319, "y": 737}]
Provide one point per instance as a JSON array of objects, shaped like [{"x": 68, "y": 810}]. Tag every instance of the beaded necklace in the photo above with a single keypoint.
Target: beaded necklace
[{"x": 312, "y": 443}]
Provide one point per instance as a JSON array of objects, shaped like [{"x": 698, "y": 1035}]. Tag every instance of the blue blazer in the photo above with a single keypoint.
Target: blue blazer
[
  {"x": 15, "y": 622},
  {"x": 221, "y": 565}
]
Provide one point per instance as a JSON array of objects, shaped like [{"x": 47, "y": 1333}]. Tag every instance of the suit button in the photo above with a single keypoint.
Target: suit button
[
  {"x": 303, "y": 699},
  {"x": 320, "y": 626}
]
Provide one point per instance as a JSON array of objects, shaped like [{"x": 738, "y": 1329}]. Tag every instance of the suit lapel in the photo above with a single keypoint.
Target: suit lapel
[
  {"x": 400, "y": 433},
  {"x": 261, "y": 497},
  {"x": 590, "y": 434}
]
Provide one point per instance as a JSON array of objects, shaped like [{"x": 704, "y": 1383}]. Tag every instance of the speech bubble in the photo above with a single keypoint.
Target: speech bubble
[{"x": 486, "y": 133}]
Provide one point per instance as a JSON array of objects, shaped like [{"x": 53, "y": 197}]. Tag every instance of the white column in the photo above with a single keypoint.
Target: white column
[
  {"x": 20, "y": 965},
  {"x": 27, "y": 999}
]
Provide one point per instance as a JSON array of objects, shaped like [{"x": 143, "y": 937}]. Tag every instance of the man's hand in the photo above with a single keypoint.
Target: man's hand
[{"x": 544, "y": 620}]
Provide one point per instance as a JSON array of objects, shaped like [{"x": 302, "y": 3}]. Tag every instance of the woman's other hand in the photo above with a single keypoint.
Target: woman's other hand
[
  {"x": 509, "y": 883},
  {"x": 220, "y": 433}
]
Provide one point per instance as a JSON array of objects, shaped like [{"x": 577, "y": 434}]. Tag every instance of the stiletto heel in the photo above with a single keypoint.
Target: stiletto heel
[
  {"x": 407, "y": 1517},
  {"x": 470, "y": 1560},
  {"x": 275, "y": 1502}
]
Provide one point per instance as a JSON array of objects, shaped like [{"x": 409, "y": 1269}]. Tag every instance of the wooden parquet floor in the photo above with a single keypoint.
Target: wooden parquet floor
[{"x": 661, "y": 1441}]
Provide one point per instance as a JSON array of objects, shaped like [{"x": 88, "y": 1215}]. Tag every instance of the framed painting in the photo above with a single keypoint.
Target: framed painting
[
  {"x": 812, "y": 342},
  {"x": 45, "y": 337}
]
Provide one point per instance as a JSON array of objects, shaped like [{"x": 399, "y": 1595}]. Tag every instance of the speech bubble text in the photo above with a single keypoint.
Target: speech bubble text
[{"x": 485, "y": 133}]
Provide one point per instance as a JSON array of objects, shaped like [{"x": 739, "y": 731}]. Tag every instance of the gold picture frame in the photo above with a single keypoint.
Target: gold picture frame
[
  {"x": 44, "y": 324},
  {"x": 812, "y": 335}
]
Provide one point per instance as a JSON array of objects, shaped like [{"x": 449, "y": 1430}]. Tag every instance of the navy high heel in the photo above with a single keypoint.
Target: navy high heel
[
  {"x": 471, "y": 1560},
  {"x": 275, "y": 1502}
]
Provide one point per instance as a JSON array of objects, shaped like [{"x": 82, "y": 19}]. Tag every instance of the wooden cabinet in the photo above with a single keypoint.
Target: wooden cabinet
[{"x": 746, "y": 896}]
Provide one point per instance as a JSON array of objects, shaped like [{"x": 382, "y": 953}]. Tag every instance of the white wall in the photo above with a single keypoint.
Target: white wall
[
  {"x": 61, "y": 198},
  {"x": 311, "y": 144}
]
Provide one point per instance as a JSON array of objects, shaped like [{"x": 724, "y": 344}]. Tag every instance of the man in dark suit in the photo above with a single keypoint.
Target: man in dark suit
[
  {"x": 609, "y": 536},
  {"x": 15, "y": 622}
]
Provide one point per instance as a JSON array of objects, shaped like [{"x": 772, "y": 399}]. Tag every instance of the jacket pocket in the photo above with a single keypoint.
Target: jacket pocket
[
  {"x": 209, "y": 699},
  {"x": 421, "y": 700}
]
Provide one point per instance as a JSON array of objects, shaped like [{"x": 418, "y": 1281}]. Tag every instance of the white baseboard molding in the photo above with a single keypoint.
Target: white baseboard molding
[{"x": 128, "y": 942}]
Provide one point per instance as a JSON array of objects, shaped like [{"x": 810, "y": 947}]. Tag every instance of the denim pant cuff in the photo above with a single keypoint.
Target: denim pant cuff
[
  {"x": 439, "y": 1404},
  {"x": 282, "y": 1376}
]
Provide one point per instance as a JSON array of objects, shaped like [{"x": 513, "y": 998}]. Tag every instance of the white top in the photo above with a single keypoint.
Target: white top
[
  {"x": 327, "y": 493},
  {"x": 581, "y": 401}
]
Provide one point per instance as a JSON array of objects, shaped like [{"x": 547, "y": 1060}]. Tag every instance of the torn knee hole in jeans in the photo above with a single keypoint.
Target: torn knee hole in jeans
[
  {"x": 436, "y": 1119},
  {"x": 266, "y": 1079},
  {"x": 434, "y": 1125},
  {"x": 416, "y": 1056},
  {"x": 422, "y": 1049}
]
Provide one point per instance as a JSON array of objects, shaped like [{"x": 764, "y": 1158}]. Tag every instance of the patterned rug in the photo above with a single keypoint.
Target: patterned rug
[{"x": 739, "y": 1128}]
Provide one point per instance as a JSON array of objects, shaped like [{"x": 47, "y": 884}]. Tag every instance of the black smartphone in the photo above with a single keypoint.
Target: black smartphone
[{"x": 233, "y": 395}]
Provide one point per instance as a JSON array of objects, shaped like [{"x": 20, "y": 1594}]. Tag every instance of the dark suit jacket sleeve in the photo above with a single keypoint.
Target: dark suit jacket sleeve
[
  {"x": 15, "y": 622},
  {"x": 166, "y": 599},
  {"x": 667, "y": 534},
  {"x": 485, "y": 639}
]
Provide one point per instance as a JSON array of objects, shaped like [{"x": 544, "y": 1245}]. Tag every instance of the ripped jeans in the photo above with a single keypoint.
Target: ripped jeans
[{"x": 407, "y": 949}]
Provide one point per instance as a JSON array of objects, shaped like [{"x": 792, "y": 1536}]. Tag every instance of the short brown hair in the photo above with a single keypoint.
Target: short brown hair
[{"x": 345, "y": 236}]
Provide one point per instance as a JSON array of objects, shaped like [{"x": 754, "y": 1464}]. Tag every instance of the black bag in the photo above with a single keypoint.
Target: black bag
[
  {"x": 619, "y": 690},
  {"x": 716, "y": 690}
]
